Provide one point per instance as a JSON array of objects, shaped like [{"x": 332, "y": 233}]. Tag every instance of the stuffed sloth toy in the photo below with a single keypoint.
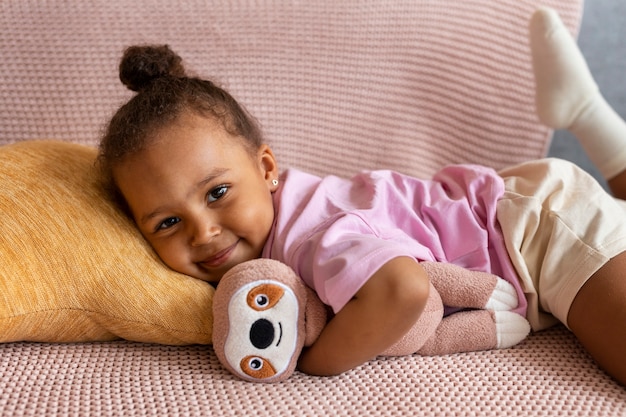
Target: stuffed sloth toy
[{"x": 264, "y": 314}]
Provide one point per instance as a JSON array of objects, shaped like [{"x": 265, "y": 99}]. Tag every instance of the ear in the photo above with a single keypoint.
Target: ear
[{"x": 269, "y": 166}]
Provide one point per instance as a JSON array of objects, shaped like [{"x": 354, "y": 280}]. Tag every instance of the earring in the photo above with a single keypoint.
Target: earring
[{"x": 274, "y": 182}]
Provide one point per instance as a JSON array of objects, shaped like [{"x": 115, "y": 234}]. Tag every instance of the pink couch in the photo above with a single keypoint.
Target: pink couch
[{"x": 338, "y": 86}]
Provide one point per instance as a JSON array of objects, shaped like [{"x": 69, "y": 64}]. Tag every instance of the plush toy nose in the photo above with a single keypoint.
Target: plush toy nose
[{"x": 261, "y": 333}]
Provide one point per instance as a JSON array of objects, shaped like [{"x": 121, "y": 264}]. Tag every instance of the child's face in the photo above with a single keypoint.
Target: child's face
[{"x": 200, "y": 198}]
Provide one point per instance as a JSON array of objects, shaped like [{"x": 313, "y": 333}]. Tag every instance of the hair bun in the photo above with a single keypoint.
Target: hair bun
[{"x": 140, "y": 65}]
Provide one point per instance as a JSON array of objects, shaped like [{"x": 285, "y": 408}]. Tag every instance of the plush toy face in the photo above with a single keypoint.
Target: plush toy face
[
  {"x": 263, "y": 315},
  {"x": 266, "y": 348}
]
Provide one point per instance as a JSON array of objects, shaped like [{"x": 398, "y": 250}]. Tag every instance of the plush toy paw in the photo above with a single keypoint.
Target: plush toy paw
[
  {"x": 511, "y": 328},
  {"x": 503, "y": 298}
]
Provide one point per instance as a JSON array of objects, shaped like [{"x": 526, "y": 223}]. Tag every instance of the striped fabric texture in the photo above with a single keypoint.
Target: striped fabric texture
[{"x": 338, "y": 86}]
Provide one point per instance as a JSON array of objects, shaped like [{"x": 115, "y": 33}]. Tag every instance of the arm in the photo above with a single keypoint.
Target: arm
[{"x": 381, "y": 312}]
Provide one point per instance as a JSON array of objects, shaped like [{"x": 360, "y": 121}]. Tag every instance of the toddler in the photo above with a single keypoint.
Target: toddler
[{"x": 191, "y": 168}]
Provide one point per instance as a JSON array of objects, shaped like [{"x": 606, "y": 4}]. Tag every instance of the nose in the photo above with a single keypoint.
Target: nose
[
  {"x": 262, "y": 333},
  {"x": 203, "y": 230}
]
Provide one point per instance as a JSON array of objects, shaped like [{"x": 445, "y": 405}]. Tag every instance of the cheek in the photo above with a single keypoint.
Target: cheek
[
  {"x": 171, "y": 253},
  {"x": 256, "y": 215}
]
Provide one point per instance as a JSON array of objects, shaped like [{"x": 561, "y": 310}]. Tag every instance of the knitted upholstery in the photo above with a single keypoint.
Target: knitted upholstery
[
  {"x": 338, "y": 86},
  {"x": 548, "y": 375}
]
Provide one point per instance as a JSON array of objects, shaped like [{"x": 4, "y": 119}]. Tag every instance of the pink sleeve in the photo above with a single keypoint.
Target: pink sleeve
[{"x": 338, "y": 260}]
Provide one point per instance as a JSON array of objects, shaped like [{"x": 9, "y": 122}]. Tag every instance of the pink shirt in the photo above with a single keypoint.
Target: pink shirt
[{"x": 335, "y": 233}]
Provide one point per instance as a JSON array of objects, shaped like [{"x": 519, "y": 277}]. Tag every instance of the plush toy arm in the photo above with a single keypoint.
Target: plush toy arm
[
  {"x": 464, "y": 288},
  {"x": 473, "y": 330}
]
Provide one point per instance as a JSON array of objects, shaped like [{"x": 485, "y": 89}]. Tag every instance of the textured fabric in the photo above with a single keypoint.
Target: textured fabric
[
  {"x": 335, "y": 232},
  {"x": 73, "y": 268},
  {"x": 338, "y": 86},
  {"x": 547, "y": 375}
]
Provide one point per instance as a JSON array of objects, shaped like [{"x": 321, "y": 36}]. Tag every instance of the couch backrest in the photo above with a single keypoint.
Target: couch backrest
[{"x": 338, "y": 86}]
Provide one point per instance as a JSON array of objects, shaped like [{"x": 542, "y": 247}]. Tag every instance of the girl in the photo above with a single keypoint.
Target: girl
[{"x": 192, "y": 169}]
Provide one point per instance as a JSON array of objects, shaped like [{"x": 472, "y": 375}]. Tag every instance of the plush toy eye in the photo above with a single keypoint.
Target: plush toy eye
[
  {"x": 257, "y": 367},
  {"x": 261, "y": 300},
  {"x": 264, "y": 296},
  {"x": 255, "y": 363}
]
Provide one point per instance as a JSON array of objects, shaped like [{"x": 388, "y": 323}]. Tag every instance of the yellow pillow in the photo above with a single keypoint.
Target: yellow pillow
[{"x": 74, "y": 268}]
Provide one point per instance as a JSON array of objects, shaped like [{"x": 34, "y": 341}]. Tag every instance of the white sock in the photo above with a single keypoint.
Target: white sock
[{"x": 567, "y": 96}]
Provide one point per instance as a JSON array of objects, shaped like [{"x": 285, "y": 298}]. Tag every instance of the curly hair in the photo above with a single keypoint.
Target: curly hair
[{"x": 164, "y": 92}]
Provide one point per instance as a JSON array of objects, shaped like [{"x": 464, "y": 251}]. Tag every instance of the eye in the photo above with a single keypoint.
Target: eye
[
  {"x": 257, "y": 368},
  {"x": 167, "y": 223},
  {"x": 261, "y": 300},
  {"x": 217, "y": 193},
  {"x": 255, "y": 363},
  {"x": 264, "y": 296}
]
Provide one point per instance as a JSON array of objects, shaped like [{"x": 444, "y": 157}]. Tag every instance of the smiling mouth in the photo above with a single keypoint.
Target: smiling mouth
[
  {"x": 280, "y": 335},
  {"x": 220, "y": 257}
]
